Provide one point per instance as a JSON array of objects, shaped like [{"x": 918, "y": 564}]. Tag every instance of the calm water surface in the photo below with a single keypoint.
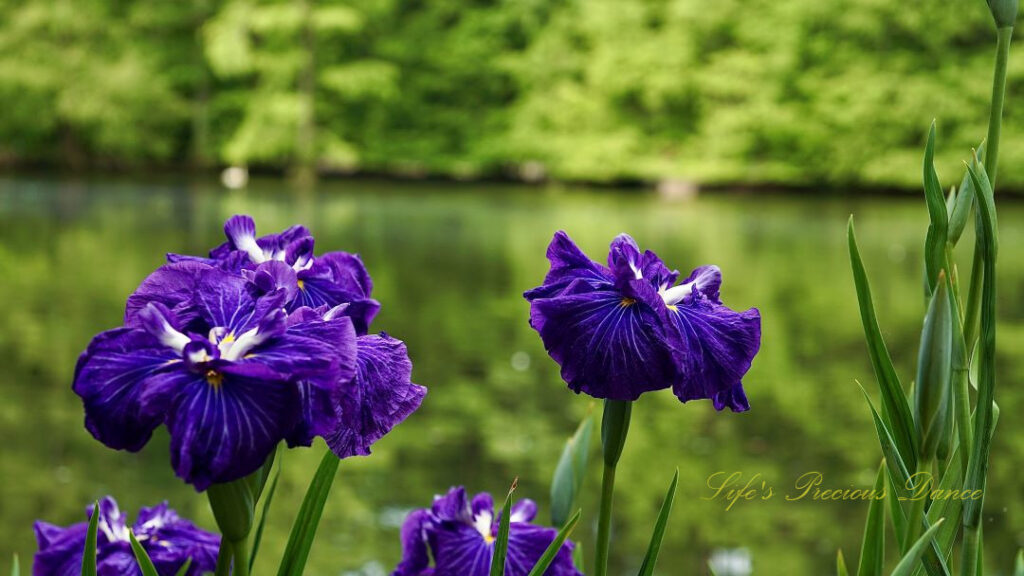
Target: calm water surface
[{"x": 450, "y": 263}]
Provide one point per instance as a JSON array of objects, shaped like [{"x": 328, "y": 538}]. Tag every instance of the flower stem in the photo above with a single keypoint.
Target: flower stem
[
  {"x": 223, "y": 558},
  {"x": 995, "y": 120},
  {"x": 969, "y": 558},
  {"x": 614, "y": 427},
  {"x": 241, "y": 553}
]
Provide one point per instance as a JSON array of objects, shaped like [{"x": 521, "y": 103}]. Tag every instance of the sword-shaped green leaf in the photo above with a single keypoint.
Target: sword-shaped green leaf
[
  {"x": 841, "y": 565},
  {"x": 872, "y": 549},
  {"x": 300, "y": 541},
  {"x": 141, "y": 557},
  {"x": 89, "y": 555},
  {"x": 935, "y": 241},
  {"x": 654, "y": 548},
  {"x": 567, "y": 483},
  {"x": 501, "y": 542},
  {"x": 909, "y": 562},
  {"x": 267, "y": 499},
  {"x": 895, "y": 408}
]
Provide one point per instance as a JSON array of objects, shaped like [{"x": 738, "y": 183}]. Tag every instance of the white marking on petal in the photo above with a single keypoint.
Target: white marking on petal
[
  {"x": 483, "y": 522},
  {"x": 676, "y": 294}
]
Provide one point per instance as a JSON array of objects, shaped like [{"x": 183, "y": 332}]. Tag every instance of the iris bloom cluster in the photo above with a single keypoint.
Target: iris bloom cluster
[
  {"x": 260, "y": 342},
  {"x": 169, "y": 540},
  {"x": 459, "y": 533},
  {"x": 628, "y": 328}
]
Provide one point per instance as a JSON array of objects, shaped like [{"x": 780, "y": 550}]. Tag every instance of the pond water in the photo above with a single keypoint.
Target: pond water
[{"x": 450, "y": 262}]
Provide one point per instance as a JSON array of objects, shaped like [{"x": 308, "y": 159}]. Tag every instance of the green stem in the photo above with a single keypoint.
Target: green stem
[
  {"x": 223, "y": 558},
  {"x": 995, "y": 120},
  {"x": 970, "y": 556},
  {"x": 614, "y": 427},
  {"x": 604, "y": 524},
  {"x": 241, "y": 554}
]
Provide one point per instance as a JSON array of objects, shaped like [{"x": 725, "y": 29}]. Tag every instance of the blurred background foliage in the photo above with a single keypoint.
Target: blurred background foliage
[
  {"x": 794, "y": 92},
  {"x": 449, "y": 264}
]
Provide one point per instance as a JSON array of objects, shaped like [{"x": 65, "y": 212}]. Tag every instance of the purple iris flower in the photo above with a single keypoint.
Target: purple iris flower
[
  {"x": 286, "y": 260},
  {"x": 627, "y": 328},
  {"x": 229, "y": 372},
  {"x": 459, "y": 534},
  {"x": 169, "y": 540}
]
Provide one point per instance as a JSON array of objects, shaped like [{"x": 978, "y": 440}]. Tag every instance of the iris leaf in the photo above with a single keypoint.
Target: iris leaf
[
  {"x": 501, "y": 543},
  {"x": 872, "y": 550},
  {"x": 654, "y": 548},
  {"x": 267, "y": 499},
  {"x": 304, "y": 530},
  {"x": 577, "y": 556},
  {"x": 145, "y": 564},
  {"x": 896, "y": 514},
  {"x": 961, "y": 207},
  {"x": 897, "y": 469},
  {"x": 184, "y": 568},
  {"x": 935, "y": 241},
  {"x": 556, "y": 545},
  {"x": 1017, "y": 571},
  {"x": 89, "y": 555},
  {"x": 909, "y": 561},
  {"x": 895, "y": 408},
  {"x": 570, "y": 472},
  {"x": 949, "y": 508},
  {"x": 977, "y": 469},
  {"x": 15, "y": 569},
  {"x": 841, "y": 565}
]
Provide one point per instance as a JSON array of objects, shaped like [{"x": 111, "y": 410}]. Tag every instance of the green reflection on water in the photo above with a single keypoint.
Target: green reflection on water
[{"x": 449, "y": 264}]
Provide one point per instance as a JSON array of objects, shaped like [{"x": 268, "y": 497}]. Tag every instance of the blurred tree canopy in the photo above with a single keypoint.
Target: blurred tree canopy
[{"x": 755, "y": 91}]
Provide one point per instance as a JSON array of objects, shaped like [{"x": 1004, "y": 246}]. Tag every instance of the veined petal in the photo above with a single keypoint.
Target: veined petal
[
  {"x": 224, "y": 426},
  {"x": 172, "y": 285},
  {"x": 713, "y": 346},
  {"x": 568, "y": 264},
  {"x": 524, "y": 510},
  {"x": 170, "y": 541},
  {"x": 59, "y": 550},
  {"x": 608, "y": 345},
  {"x": 459, "y": 550},
  {"x": 225, "y": 300},
  {"x": 415, "y": 559},
  {"x": 527, "y": 543},
  {"x": 127, "y": 380},
  {"x": 380, "y": 396},
  {"x": 338, "y": 278},
  {"x": 271, "y": 276}
]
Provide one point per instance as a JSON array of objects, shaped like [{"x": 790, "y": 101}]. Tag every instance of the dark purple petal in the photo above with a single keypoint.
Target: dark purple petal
[
  {"x": 713, "y": 346},
  {"x": 482, "y": 503},
  {"x": 273, "y": 275},
  {"x": 117, "y": 560},
  {"x": 224, "y": 425},
  {"x": 127, "y": 380},
  {"x": 707, "y": 280},
  {"x": 225, "y": 299},
  {"x": 459, "y": 550},
  {"x": 609, "y": 346},
  {"x": 60, "y": 549},
  {"x": 380, "y": 396},
  {"x": 568, "y": 264},
  {"x": 527, "y": 543},
  {"x": 524, "y": 510},
  {"x": 735, "y": 398},
  {"x": 414, "y": 545},
  {"x": 453, "y": 507},
  {"x": 171, "y": 540},
  {"x": 172, "y": 285},
  {"x": 339, "y": 278}
]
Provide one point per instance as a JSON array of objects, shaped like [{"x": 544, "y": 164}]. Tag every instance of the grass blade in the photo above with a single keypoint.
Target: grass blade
[
  {"x": 268, "y": 498},
  {"x": 145, "y": 563},
  {"x": 300, "y": 541},
  {"x": 654, "y": 548},
  {"x": 501, "y": 543},
  {"x": 184, "y": 568},
  {"x": 556, "y": 545},
  {"x": 872, "y": 549},
  {"x": 909, "y": 561},
  {"x": 570, "y": 472},
  {"x": 89, "y": 555},
  {"x": 841, "y": 565},
  {"x": 895, "y": 409}
]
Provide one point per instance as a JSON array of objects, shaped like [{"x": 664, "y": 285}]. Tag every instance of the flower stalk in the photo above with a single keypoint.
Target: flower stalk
[{"x": 614, "y": 428}]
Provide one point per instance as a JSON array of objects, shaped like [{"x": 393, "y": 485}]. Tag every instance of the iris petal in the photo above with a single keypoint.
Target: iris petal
[
  {"x": 459, "y": 550},
  {"x": 224, "y": 430},
  {"x": 568, "y": 264},
  {"x": 380, "y": 396},
  {"x": 713, "y": 345},
  {"x": 608, "y": 346},
  {"x": 126, "y": 380},
  {"x": 414, "y": 545}
]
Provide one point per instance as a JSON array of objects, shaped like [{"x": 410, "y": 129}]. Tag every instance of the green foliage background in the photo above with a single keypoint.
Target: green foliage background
[{"x": 757, "y": 91}]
